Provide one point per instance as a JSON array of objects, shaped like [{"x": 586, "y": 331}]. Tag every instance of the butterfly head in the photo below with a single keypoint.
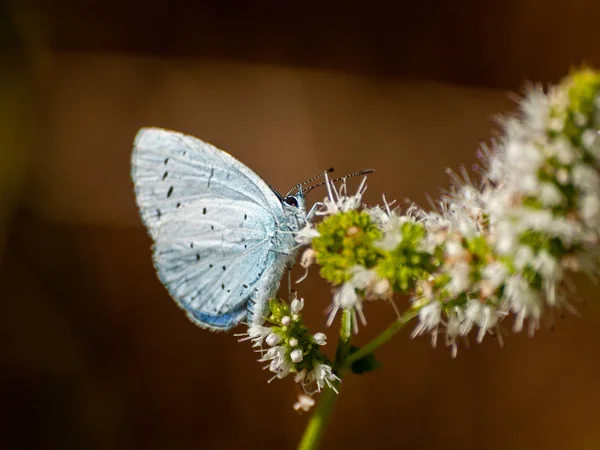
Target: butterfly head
[{"x": 296, "y": 202}]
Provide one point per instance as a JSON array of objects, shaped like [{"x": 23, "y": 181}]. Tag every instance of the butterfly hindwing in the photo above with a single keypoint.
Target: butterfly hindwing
[{"x": 212, "y": 263}]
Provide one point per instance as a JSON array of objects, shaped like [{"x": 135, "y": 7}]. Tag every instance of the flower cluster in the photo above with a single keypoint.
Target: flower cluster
[
  {"x": 498, "y": 247},
  {"x": 291, "y": 349}
]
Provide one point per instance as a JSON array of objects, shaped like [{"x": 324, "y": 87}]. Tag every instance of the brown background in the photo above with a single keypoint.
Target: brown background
[{"x": 94, "y": 353}]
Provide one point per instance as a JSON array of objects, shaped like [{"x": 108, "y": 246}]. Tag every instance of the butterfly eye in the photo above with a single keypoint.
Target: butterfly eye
[{"x": 291, "y": 200}]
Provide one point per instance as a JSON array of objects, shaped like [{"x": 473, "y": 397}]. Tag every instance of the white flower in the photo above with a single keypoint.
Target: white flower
[
  {"x": 345, "y": 297},
  {"x": 320, "y": 338},
  {"x": 392, "y": 232},
  {"x": 306, "y": 234},
  {"x": 304, "y": 403},
  {"x": 586, "y": 178},
  {"x": 550, "y": 195},
  {"x": 297, "y": 305},
  {"x": 455, "y": 250},
  {"x": 453, "y": 329},
  {"x": 273, "y": 339},
  {"x": 484, "y": 316},
  {"x": 523, "y": 301},
  {"x": 495, "y": 273},
  {"x": 523, "y": 157},
  {"x": 590, "y": 210},
  {"x": 296, "y": 356},
  {"x": 368, "y": 281},
  {"x": 535, "y": 107},
  {"x": 523, "y": 256},
  {"x": 257, "y": 334},
  {"x": 591, "y": 142},
  {"x": 362, "y": 277},
  {"x": 338, "y": 201},
  {"x": 547, "y": 265},
  {"x": 460, "y": 281},
  {"x": 278, "y": 363},
  {"x": 308, "y": 258},
  {"x": 430, "y": 317},
  {"x": 323, "y": 375},
  {"x": 562, "y": 149}
]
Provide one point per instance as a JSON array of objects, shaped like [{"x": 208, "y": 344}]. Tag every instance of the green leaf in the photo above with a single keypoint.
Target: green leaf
[{"x": 366, "y": 364}]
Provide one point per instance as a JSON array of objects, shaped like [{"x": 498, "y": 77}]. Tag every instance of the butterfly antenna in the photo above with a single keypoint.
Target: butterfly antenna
[
  {"x": 310, "y": 180},
  {"x": 362, "y": 172}
]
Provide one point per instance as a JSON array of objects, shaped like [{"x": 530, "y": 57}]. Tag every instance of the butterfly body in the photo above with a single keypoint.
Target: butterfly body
[{"x": 222, "y": 236}]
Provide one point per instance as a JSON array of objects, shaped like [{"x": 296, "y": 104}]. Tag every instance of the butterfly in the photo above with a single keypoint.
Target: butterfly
[{"x": 223, "y": 237}]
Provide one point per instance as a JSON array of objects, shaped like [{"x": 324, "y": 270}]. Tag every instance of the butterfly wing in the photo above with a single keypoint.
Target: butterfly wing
[
  {"x": 171, "y": 170},
  {"x": 212, "y": 267},
  {"x": 212, "y": 220}
]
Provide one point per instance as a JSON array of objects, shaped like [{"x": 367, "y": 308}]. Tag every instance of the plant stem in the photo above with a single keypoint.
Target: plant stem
[
  {"x": 343, "y": 349},
  {"x": 385, "y": 336},
  {"x": 318, "y": 422},
  {"x": 320, "y": 419}
]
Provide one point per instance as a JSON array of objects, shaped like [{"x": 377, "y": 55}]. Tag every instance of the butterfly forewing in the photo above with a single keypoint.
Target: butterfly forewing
[{"x": 170, "y": 170}]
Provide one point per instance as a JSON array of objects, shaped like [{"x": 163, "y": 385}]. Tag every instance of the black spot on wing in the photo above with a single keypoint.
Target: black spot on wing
[
  {"x": 203, "y": 210},
  {"x": 170, "y": 191},
  {"x": 165, "y": 175},
  {"x": 212, "y": 171}
]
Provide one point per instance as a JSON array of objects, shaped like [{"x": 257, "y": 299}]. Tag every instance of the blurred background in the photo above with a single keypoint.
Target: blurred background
[{"x": 95, "y": 355}]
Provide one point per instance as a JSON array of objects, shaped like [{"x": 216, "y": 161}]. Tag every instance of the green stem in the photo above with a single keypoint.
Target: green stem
[
  {"x": 385, "y": 336},
  {"x": 313, "y": 434},
  {"x": 318, "y": 422},
  {"x": 343, "y": 349}
]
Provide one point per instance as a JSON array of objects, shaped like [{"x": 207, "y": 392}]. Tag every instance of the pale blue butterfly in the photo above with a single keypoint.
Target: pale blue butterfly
[{"x": 223, "y": 237}]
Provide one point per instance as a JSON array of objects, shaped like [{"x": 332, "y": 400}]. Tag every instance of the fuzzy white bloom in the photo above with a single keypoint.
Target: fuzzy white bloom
[
  {"x": 550, "y": 195},
  {"x": 257, "y": 334},
  {"x": 495, "y": 273},
  {"x": 392, "y": 232},
  {"x": 304, "y": 403},
  {"x": 430, "y": 317},
  {"x": 460, "y": 277},
  {"x": 590, "y": 210},
  {"x": 323, "y": 375},
  {"x": 523, "y": 301},
  {"x": 482, "y": 315},
  {"x": 297, "y": 305},
  {"x": 306, "y": 234},
  {"x": 453, "y": 329},
  {"x": 338, "y": 200},
  {"x": 346, "y": 298},
  {"x": 586, "y": 178},
  {"x": 279, "y": 364}
]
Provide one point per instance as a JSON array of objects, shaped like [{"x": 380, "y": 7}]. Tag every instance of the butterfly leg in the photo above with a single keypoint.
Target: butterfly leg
[
  {"x": 313, "y": 211},
  {"x": 290, "y": 291}
]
